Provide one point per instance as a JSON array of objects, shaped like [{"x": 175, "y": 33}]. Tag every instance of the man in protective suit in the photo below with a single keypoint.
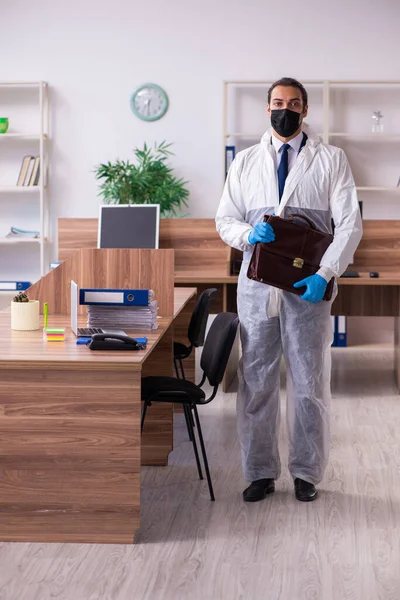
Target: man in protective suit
[{"x": 290, "y": 171}]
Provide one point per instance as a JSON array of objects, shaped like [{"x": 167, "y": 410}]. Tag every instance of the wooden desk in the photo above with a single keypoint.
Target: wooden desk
[
  {"x": 70, "y": 443},
  {"x": 195, "y": 240},
  {"x": 369, "y": 297},
  {"x": 226, "y": 284},
  {"x": 202, "y": 259},
  {"x": 195, "y": 243},
  {"x": 357, "y": 297}
]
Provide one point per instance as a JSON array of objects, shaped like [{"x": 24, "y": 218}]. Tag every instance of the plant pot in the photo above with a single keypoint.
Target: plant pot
[
  {"x": 25, "y": 315},
  {"x": 3, "y": 124}
]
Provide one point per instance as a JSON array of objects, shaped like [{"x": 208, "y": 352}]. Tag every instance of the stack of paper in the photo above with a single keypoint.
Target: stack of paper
[{"x": 124, "y": 317}]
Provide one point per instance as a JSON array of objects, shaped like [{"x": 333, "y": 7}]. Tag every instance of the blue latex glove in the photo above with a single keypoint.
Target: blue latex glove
[
  {"x": 316, "y": 286},
  {"x": 262, "y": 232}
]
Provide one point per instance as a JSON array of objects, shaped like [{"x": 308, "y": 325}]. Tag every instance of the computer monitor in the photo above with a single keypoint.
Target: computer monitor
[{"x": 129, "y": 226}]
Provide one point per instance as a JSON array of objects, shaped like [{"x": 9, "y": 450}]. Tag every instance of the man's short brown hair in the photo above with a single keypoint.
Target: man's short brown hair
[{"x": 289, "y": 82}]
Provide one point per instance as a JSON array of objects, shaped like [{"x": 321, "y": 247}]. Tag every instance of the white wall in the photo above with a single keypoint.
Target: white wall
[{"x": 95, "y": 53}]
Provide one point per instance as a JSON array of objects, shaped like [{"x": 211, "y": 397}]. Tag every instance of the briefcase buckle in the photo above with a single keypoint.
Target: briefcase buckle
[{"x": 298, "y": 263}]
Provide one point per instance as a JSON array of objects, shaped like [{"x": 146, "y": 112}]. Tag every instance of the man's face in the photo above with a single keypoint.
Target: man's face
[{"x": 287, "y": 97}]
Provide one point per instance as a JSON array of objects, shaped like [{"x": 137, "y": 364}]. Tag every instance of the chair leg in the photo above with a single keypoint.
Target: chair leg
[
  {"x": 183, "y": 372},
  {"x": 176, "y": 368},
  {"x": 193, "y": 439},
  {"x": 187, "y": 412},
  {"x": 184, "y": 377},
  {"x": 203, "y": 450},
  {"x": 143, "y": 417},
  {"x": 191, "y": 418}
]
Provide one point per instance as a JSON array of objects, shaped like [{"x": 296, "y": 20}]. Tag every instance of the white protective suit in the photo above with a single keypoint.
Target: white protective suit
[{"x": 320, "y": 185}]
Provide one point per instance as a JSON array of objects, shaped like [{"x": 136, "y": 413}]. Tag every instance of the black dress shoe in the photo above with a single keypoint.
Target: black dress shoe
[
  {"x": 305, "y": 492},
  {"x": 258, "y": 490}
]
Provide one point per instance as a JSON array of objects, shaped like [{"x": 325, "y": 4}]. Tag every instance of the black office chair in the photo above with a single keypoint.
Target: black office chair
[
  {"x": 196, "y": 330},
  {"x": 214, "y": 358}
]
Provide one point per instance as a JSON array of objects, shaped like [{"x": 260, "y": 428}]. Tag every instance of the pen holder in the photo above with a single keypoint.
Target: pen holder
[{"x": 25, "y": 315}]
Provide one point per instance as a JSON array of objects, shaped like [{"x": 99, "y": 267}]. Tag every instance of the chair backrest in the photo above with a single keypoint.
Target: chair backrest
[
  {"x": 218, "y": 346},
  {"x": 198, "y": 321}
]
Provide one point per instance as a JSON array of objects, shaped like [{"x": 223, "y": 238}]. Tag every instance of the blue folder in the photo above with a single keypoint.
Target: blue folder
[
  {"x": 14, "y": 285},
  {"x": 341, "y": 332},
  {"x": 334, "y": 327},
  {"x": 113, "y": 297}
]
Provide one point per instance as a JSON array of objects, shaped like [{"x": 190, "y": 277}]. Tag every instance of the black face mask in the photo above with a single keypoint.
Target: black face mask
[{"x": 285, "y": 122}]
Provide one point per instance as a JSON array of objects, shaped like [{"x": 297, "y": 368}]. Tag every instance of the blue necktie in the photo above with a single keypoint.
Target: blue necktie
[{"x": 283, "y": 169}]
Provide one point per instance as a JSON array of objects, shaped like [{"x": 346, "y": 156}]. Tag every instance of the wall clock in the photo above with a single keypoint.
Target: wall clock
[{"x": 149, "y": 102}]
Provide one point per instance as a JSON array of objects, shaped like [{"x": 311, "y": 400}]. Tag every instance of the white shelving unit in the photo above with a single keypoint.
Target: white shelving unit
[
  {"x": 332, "y": 102},
  {"x": 27, "y": 240},
  {"x": 40, "y": 138},
  {"x": 22, "y": 136},
  {"x": 369, "y": 136},
  {"x": 19, "y": 189}
]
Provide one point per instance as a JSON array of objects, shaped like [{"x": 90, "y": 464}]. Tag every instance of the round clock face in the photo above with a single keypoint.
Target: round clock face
[{"x": 149, "y": 102}]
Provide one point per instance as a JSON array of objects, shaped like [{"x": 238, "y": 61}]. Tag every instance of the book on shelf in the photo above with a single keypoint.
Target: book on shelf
[
  {"x": 34, "y": 179},
  {"x": 30, "y": 171},
  {"x": 24, "y": 169}
]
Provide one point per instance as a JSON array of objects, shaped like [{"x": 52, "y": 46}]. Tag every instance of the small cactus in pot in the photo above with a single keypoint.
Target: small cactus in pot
[{"x": 24, "y": 313}]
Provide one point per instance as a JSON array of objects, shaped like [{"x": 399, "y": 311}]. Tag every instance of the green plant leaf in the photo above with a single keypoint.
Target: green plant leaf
[{"x": 149, "y": 181}]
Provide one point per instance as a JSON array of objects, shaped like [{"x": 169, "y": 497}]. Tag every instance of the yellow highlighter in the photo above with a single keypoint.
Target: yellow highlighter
[{"x": 45, "y": 315}]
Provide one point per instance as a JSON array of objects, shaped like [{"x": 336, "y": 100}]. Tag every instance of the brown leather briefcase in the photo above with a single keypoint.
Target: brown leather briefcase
[{"x": 295, "y": 254}]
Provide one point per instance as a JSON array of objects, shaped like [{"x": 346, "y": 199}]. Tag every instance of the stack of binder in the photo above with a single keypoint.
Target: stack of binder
[{"x": 122, "y": 309}]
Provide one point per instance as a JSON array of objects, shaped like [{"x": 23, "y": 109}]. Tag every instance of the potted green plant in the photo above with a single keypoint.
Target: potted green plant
[{"x": 149, "y": 181}]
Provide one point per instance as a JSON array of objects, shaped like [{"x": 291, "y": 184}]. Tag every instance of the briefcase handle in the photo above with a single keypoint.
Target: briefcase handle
[{"x": 293, "y": 215}]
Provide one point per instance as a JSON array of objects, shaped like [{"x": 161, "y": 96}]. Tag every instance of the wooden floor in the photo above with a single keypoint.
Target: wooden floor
[{"x": 344, "y": 546}]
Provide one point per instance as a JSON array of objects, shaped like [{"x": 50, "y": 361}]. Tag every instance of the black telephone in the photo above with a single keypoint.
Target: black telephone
[{"x": 113, "y": 341}]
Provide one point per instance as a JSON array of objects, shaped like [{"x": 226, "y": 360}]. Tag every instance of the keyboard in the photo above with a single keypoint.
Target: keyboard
[
  {"x": 88, "y": 331},
  {"x": 350, "y": 274}
]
